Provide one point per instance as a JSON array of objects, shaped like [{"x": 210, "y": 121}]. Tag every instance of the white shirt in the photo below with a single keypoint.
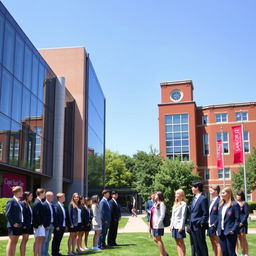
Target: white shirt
[
  {"x": 50, "y": 206},
  {"x": 21, "y": 209},
  {"x": 223, "y": 213},
  {"x": 196, "y": 198},
  {"x": 64, "y": 213},
  {"x": 114, "y": 200},
  {"x": 210, "y": 208},
  {"x": 79, "y": 219}
]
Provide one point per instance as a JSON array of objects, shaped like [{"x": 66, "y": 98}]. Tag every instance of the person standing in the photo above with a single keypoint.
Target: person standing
[
  {"x": 85, "y": 221},
  {"x": 49, "y": 218},
  {"x": 213, "y": 219},
  {"x": 60, "y": 224},
  {"x": 156, "y": 222},
  {"x": 115, "y": 218},
  {"x": 148, "y": 208},
  {"x": 27, "y": 225},
  {"x": 96, "y": 221},
  {"x": 134, "y": 207},
  {"x": 14, "y": 214},
  {"x": 228, "y": 222},
  {"x": 198, "y": 221},
  {"x": 243, "y": 226},
  {"x": 105, "y": 218},
  {"x": 88, "y": 223},
  {"x": 38, "y": 220},
  {"x": 178, "y": 219}
]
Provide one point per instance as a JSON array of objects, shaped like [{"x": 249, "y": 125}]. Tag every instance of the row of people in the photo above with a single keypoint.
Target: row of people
[
  {"x": 46, "y": 218},
  {"x": 224, "y": 219}
]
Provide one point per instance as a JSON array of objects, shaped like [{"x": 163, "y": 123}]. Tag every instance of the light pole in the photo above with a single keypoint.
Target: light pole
[{"x": 223, "y": 165}]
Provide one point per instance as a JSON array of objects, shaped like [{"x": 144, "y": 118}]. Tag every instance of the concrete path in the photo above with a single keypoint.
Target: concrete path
[{"x": 134, "y": 225}]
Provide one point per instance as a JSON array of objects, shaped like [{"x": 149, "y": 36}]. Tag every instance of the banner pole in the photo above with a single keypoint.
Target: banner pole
[
  {"x": 223, "y": 165},
  {"x": 245, "y": 183}
]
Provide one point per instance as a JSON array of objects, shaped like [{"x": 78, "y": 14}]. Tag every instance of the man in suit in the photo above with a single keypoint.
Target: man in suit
[
  {"x": 105, "y": 218},
  {"x": 38, "y": 215},
  {"x": 60, "y": 224},
  {"x": 115, "y": 217},
  {"x": 48, "y": 221},
  {"x": 198, "y": 222},
  {"x": 14, "y": 214}
]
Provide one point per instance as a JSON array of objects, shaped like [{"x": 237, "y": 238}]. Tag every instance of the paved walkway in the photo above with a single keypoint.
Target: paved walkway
[{"x": 135, "y": 225}]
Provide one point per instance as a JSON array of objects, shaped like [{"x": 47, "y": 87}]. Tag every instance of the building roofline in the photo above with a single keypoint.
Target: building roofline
[
  {"x": 172, "y": 83},
  {"x": 239, "y": 104},
  {"x": 177, "y": 103},
  {"x": 62, "y": 47}
]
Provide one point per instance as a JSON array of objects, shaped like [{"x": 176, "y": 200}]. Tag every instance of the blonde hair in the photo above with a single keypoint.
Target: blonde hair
[
  {"x": 16, "y": 189},
  {"x": 231, "y": 197},
  {"x": 183, "y": 197},
  {"x": 74, "y": 204}
]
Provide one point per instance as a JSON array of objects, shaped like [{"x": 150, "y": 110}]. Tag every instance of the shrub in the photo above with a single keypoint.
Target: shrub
[
  {"x": 252, "y": 206},
  {"x": 3, "y": 220}
]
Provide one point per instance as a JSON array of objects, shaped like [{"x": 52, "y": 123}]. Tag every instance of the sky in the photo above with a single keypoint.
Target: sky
[{"x": 134, "y": 45}]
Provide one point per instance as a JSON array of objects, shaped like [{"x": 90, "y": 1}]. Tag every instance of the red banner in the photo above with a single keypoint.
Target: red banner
[
  {"x": 219, "y": 155},
  {"x": 238, "y": 144},
  {"x": 10, "y": 180}
]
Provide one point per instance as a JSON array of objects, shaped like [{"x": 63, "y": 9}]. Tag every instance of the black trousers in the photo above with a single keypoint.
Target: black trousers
[
  {"x": 112, "y": 233},
  {"x": 228, "y": 244},
  {"x": 57, "y": 237},
  {"x": 198, "y": 243}
]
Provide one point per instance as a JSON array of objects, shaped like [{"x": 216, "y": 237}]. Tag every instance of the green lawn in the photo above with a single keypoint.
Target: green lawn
[
  {"x": 138, "y": 244},
  {"x": 123, "y": 222},
  {"x": 252, "y": 224}
]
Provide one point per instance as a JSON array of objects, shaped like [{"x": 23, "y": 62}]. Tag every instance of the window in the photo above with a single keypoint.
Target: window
[
  {"x": 19, "y": 58},
  {"x": 17, "y": 100},
  {"x": 241, "y": 116},
  {"x": 27, "y": 68},
  {"x": 246, "y": 142},
  {"x": 176, "y": 134},
  {"x": 206, "y": 144},
  {"x": 207, "y": 174},
  {"x": 224, "y": 137},
  {"x": 204, "y": 120},
  {"x": 221, "y": 118},
  {"x": 249, "y": 197},
  {"x": 1, "y": 35},
  {"x": 227, "y": 173}
]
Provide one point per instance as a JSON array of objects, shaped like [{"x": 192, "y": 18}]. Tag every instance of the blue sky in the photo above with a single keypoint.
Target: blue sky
[{"x": 134, "y": 45}]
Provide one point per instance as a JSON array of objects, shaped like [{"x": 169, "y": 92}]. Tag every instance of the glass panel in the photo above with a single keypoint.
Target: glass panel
[
  {"x": 184, "y": 118},
  {"x": 168, "y": 119},
  {"x": 225, "y": 136},
  {"x": 41, "y": 82},
  {"x": 6, "y": 93},
  {"x": 17, "y": 101},
  {"x": 169, "y": 136},
  {"x": 9, "y": 36},
  {"x": 1, "y": 35},
  {"x": 177, "y": 150},
  {"x": 169, "y": 150},
  {"x": 168, "y": 128},
  {"x": 35, "y": 75},
  {"x": 176, "y": 128},
  {"x": 185, "y": 135},
  {"x": 225, "y": 148},
  {"x": 246, "y": 135},
  {"x": 5, "y": 125},
  {"x": 176, "y": 119},
  {"x": 169, "y": 143},
  {"x": 33, "y": 108},
  {"x": 246, "y": 147},
  {"x": 185, "y": 143},
  {"x": 25, "y": 105},
  {"x": 14, "y": 149},
  {"x": 27, "y": 68},
  {"x": 177, "y": 135},
  {"x": 19, "y": 58}
]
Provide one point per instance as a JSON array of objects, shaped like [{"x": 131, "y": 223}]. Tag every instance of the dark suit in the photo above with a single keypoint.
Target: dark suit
[
  {"x": 213, "y": 212},
  {"x": 60, "y": 223},
  {"x": 115, "y": 216},
  {"x": 106, "y": 218},
  {"x": 244, "y": 213},
  {"x": 72, "y": 215},
  {"x": 199, "y": 215},
  {"x": 38, "y": 213},
  {"x": 148, "y": 208},
  {"x": 47, "y": 214},
  {"x": 13, "y": 213}
]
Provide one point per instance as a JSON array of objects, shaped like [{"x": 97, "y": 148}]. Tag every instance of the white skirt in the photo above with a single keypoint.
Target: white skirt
[
  {"x": 96, "y": 227},
  {"x": 40, "y": 231}
]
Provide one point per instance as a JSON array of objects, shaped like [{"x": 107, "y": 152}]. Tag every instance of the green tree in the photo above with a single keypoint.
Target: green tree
[
  {"x": 146, "y": 166},
  {"x": 238, "y": 178},
  {"x": 117, "y": 175},
  {"x": 173, "y": 175}
]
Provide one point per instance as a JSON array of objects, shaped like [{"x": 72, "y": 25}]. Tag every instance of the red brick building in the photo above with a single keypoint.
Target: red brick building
[{"x": 191, "y": 132}]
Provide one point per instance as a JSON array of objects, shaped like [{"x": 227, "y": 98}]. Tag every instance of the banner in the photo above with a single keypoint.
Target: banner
[
  {"x": 238, "y": 144},
  {"x": 10, "y": 180},
  {"x": 219, "y": 155}
]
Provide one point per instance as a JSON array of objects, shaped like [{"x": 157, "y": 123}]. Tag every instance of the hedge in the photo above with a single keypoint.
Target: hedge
[
  {"x": 3, "y": 220},
  {"x": 252, "y": 206}
]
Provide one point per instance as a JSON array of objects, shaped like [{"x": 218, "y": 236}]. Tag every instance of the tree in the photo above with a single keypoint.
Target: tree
[
  {"x": 238, "y": 178},
  {"x": 146, "y": 166},
  {"x": 174, "y": 175},
  {"x": 117, "y": 175}
]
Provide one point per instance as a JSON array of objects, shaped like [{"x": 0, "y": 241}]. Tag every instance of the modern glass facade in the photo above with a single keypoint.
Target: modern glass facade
[
  {"x": 96, "y": 131},
  {"x": 177, "y": 136},
  {"x": 26, "y": 101}
]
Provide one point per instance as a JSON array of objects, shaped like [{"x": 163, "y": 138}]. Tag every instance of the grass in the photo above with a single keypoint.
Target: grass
[
  {"x": 138, "y": 244},
  {"x": 252, "y": 224},
  {"x": 123, "y": 222}
]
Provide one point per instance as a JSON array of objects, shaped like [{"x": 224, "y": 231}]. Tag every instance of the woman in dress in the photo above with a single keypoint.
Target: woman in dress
[
  {"x": 179, "y": 212},
  {"x": 156, "y": 222},
  {"x": 88, "y": 225},
  {"x": 96, "y": 221},
  {"x": 27, "y": 227},
  {"x": 243, "y": 226}
]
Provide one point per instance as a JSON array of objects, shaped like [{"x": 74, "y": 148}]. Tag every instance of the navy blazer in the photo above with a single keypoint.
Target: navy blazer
[
  {"x": 59, "y": 216},
  {"x": 231, "y": 219},
  {"x": 47, "y": 214},
  {"x": 27, "y": 216},
  {"x": 199, "y": 214},
  {"x": 85, "y": 216},
  {"x": 105, "y": 213},
  {"x": 38, "y": 213},
  {"x": 115, "y": 210},
  {"x": 149, "y": 206},
  {"x": 214, "y": 212},
  {"x": 73, "y": 215},
  {"x": 13, "y": 213},
  {"x": 244, "y": 213}
]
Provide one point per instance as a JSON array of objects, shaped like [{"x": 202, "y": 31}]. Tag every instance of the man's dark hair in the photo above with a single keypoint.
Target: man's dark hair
[
  {"x": 198, "y": 184},
  {"x": 105, "y": 191},
  {"x": 241, "y": 194},
  {"x": 114, "y": 192}
]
